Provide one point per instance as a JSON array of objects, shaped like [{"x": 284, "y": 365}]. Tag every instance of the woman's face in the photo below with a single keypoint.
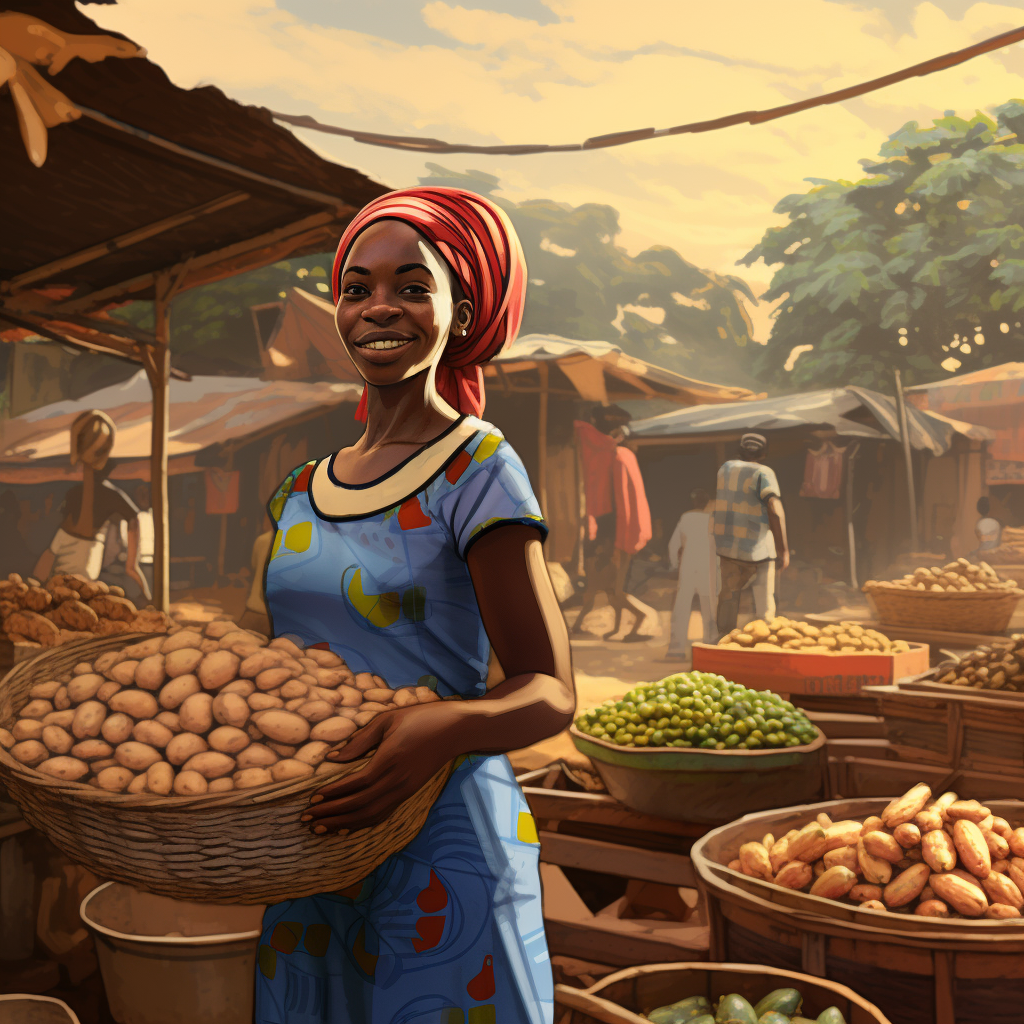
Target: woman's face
[{"x": 396, "y": 308}]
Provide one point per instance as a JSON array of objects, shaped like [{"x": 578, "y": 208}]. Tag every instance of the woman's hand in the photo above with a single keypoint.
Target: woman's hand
[{"x": 413, "y": 744}]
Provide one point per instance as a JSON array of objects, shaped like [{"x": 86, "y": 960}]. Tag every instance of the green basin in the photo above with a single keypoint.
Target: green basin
[{"x": 707, "y": 787}]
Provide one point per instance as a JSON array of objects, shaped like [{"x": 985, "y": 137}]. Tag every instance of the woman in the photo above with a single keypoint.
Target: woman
[{"x": 410, "y": 554}]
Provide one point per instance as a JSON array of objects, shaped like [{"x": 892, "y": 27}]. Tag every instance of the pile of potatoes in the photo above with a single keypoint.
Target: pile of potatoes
[
  {"x": 998, "y": 666},
  {"x": 945, "y": 858},
  {"x": 70, "y": 608},
  {"x": 188, "y": 713},
  {"x": 961, "y": 577},
  {"x": 786, "y": 634}
]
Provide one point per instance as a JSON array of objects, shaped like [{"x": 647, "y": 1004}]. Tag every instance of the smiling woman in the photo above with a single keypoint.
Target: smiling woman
[{"x": 419, "y": 550}]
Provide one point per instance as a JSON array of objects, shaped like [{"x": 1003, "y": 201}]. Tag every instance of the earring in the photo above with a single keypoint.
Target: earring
[{"x": 463, "y": 331}]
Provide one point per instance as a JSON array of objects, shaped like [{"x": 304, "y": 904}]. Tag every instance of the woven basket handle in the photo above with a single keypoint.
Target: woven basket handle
[{"x": 600, "y": 1009}]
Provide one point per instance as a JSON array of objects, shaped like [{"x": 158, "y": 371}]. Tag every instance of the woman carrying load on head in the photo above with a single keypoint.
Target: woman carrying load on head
[{"x": 412, "y": 554}]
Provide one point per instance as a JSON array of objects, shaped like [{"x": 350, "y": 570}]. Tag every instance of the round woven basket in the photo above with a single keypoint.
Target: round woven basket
[
  {"x": 243, "y": 846},
  {"x": 984, "y": 611}
]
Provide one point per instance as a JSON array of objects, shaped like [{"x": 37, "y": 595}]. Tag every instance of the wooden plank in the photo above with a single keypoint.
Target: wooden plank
[
  {"x": 838, "y": 726},
  {"x": 560, "y": 899},
  {"x": 601, "y": 809},
  {"x": 612, "y": 859},
  {"x": 627, "y": 943}
]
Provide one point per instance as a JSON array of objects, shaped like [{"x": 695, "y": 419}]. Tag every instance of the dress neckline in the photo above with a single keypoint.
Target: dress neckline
[{"x": 332, "y": 499}]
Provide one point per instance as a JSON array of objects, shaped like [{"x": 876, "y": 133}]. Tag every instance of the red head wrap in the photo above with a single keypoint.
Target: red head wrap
[{"x": 477, "y": 241}]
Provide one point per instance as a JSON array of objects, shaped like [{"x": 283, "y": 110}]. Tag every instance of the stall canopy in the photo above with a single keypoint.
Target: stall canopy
[
  {"x": 305, "y": 344},
  {"x": 206, "y": 413},
  {"x": 993, "y": 398},
  {"x": 850, "y": 412}
]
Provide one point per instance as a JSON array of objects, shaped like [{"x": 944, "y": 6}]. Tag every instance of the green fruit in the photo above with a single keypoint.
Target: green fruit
[
  {"x": 782, "y": 1000},
  {"x": 831, "y": 1016},
  {"x": 704, "y": 1018},
  {"x": 734, "y": 1009},
  {"x": 687, "y": 1010},
  {"x": 773, "y": 1017}
]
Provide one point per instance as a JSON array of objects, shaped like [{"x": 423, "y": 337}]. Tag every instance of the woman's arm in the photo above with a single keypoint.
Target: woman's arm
[
  {"x": 537, "y": 699},
  {"x": 777, "y": 524},
  {"x": 131, "y": 565},
  {"x": 44, "y": 565}
]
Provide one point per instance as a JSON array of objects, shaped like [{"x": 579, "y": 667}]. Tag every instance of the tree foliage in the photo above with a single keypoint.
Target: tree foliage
[{"x": 918, "y": 266}]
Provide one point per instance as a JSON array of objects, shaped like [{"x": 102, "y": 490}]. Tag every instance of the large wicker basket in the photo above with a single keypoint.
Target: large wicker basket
[
  {"x": 236, "y": 847},
  {"x": 984, "y": 611}
]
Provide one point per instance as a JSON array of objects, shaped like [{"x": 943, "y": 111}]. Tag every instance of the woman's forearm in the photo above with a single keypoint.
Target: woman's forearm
[{"x": 516, "y": 713}]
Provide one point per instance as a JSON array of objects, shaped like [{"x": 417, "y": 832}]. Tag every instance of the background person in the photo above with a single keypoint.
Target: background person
[
  {"x": 115, "y": 552},
  {"x": 750, "y": 532},
  {"x": 691, "y": 551},
  {"x": 989, "y": 531}
]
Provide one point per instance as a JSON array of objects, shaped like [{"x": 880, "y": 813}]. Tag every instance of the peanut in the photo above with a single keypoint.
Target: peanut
[
  {"x": 834, "y": 883},
  {"x": 1000, "y": 889},
  {"x": 938, "y": 851},
  {"x": 845, "y": 856},
  {"x": 928, "y": 821},
  {"x": 972, "y": 848},
  {"x": 871, "y": 824},
  {"x": 931, "y": 908},
  {"x": 1000, "y": 912},
  {"x": 963, "y": 897},
  {"x": 967, "y": 810},
  {"x": 883, "y": 846},
  {"x": 842, "y": 833},
  {"x": 908, "y": 835},
  {"x": 808, "y": 845},
  {"x": 907, "y": 886},
  {"x": 905, "y": 808},
  {"x": 863, "y": 893},
  {"x": 872, "y": 905},
  {"x": 754, "y": 861},
  {"x": 875, "y": 870}
]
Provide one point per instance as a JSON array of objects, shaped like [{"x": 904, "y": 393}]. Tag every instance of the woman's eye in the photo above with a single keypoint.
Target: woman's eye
[
  {"x": 355, "y": 289},
  {"x": 415, "y": 289}
]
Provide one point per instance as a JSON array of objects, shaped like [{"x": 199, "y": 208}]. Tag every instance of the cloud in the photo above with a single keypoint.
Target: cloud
[{"x": 489, "y": 71}]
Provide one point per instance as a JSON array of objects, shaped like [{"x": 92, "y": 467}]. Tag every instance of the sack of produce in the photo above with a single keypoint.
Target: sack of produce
[
  {"x": 789, "y": 635},
  {"x": 181, "y": 762}
]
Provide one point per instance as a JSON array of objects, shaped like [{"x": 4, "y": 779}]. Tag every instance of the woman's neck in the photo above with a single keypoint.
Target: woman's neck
[{"x": 405, "y": 414}]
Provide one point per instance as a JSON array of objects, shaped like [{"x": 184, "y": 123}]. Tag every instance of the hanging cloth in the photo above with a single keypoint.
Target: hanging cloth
[
  {"x": 222, "y": 491},
  {"x": 597, "y": 454},
  {"x": 823, "y": 472},
  {"x": 632, "y": 513}
]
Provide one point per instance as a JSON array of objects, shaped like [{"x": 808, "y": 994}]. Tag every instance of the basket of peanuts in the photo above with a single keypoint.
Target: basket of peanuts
[{"x": 181, "y": 763}]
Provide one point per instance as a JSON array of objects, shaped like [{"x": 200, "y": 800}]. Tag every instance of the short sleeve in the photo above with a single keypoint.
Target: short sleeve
[
  {"x": 296, "y": 480},
  {"x": 768, "y": 484},
  {"x": 486, "y": 486}
]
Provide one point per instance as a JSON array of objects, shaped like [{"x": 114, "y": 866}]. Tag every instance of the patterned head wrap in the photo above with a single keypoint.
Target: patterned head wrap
[{"x": 477, "y": 241}]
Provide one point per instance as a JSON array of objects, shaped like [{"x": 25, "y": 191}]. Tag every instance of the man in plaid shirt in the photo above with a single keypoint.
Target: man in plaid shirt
[{"x": 750, "y": 532}]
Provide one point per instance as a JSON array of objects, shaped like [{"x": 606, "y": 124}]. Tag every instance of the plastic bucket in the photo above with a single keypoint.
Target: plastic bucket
[
  {"x": 166, "y": 961},
  {"x": 26, "y": 1009}
]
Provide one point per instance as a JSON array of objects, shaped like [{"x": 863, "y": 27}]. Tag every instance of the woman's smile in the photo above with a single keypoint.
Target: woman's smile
[{"x": 382, "y": 347}]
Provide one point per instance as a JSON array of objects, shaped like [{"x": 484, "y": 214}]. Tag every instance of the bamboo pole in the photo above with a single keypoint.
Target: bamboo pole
[
  {"x": 850, "y": 533},
  {"x": 158, "y": 366},
  {"x": 542, "y": 442},
  {"x": 222, "y": 544},
  {"x": 908, "y": 461}
]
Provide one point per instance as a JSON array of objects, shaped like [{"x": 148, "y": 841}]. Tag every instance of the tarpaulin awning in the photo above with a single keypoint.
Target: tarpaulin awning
[
  {"x": 205, "y": 412},
  {"x": 305, "y": 344},
  {"x": 850, "y": 412}
]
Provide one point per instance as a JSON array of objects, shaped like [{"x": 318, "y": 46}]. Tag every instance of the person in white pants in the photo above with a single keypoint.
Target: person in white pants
[{"x": 690, "y": 549}]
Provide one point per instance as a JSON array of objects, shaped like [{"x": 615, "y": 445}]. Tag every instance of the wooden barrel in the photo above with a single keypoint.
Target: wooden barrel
[
  {"x": 918, "y": 970},
  {"x": 621, "y": 997}
]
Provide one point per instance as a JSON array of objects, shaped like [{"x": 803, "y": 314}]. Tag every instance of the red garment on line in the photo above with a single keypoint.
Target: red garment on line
[
  {"x": 823, "y": 472},
  {"x": 597, "y": 453},
  {"x": 632, "y": 513}
]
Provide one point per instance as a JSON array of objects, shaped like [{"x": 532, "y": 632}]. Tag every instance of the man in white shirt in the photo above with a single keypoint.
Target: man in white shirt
[
  {"x": 988, "y": 530},
  {"x": 691, "y": 550}
]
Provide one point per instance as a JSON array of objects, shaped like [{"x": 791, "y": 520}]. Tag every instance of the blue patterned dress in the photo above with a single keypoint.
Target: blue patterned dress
[{"x": 449, "y": 930}]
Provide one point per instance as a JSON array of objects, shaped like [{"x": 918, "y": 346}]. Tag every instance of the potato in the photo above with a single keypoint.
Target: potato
[
  {"x": 218, "y": 628},
  {"x": 282, "y": 726},
  {"x": 61, "y": 718},
  {"x": 292, "y": 688},
  {"x": 316, "y": 711},
  {"x": 230, "y": 709},
  {"x": 405, "y": 696},
  {"x": 271, "y": 678},
  {"x": 104, "y": 762},
  {"x": 160, "y": 778},
  {"x": 348, "y": 696},
  {"x": 223, "y": 784},
  {"x": 183, "y": 746},
  {"x": 92, "y": 750},
  {"x": 365, "y": 717},
  {"x": 170, "y": 719},
  {"x": 325, "y": 659},
  {"x": 217, "y": 669},
  {"x": 7, "y": 740},
  {"x": 196, "y": 713},
  {"x": 36, "y": 709},
  {"x": 137, "y": 756},
  {"x": 61, "y": 699},
  {"x": 211, "y": 764},
  {"x": 173, "y": 694},
  {"x": 253, "y": 732},
  {"x": 331, "y": 678},
  {"x": 378, "y": 695},
  {"x": 243, "y": 687},
  {"x": 209, "y": 646},
  {"x": 185, "y": 639},
  {"x": 115, "y": 780},
  {"x": 150, "y": 674},
  {"x": 83, "y": 688},
  {"x": 424, "y": 695},
  {"x": 227, "y": 739},
  {"x": 240, "y": 636},
  {"x": 256, "y": 755},
  {"x": 313, "y": 753},
  {"x": 29, "y": 752},
  {"x": 124, "y": 673},
  {"x": 27, "y": 729},
  {"x": 251, "y": 778},
  {"x": 294, "y": 705},
  {"x": 152, "y": 733},
  {"x": 333, "y": 730},
  {"x": 144, "y": 649},
  {"x": 320, "y": 693},
  {"x": 364, "y": 681},
  {"x": 117, "y": 728},
  {"x": 67, "y": 769},
  {"x": 372, "y": 705},
  {"x": 135, "y": 703},
  {"x": 264, "y": 702},
  {"x": 190, "y": 784},
  {"x": 258, "y": 662},
  {"x": 57, "y": 740},
  {"x": 285, "y": 771},
  {"x": 88, "y": 719},
  {"x": 107, "y": 690},
  {"x": 83, "y": 668},
  {"x": 284, "y": 750},
  {"x": 137, "y": 785},
  {"x": 105, "y": 661},
  {"x": 182, "y": 661},
  {"x": 287, "y": 646},
  {"x": 45, "y": 691}
]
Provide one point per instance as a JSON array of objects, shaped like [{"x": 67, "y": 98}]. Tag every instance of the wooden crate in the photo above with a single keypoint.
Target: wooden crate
[
  {"x": 848, "y": 727},
  {"x": 657, "y": 918},
  {"x": 796, "y": 672},
  {"x": 922, "y": 727},
  {"x": 992, "y": 735},
  {"x": 875, "y": 749},
  {"x": 855, "y": 777}
]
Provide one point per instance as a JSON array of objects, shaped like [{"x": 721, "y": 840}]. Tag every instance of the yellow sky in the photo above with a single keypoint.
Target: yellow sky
[{"x": 562, "y": 70}]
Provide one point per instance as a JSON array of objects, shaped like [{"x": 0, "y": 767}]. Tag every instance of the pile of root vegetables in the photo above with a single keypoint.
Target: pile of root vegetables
[
  {"x": 944, "y": 858},
  {"x": 188, "y": 712}
]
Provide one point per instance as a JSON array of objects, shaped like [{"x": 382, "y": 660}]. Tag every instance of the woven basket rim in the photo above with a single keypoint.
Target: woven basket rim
[
  {"x": 945, "y": 595},
  {"x": 149, "y": 801}
]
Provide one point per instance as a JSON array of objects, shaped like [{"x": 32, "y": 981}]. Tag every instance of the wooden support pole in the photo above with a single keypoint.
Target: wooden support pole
[
  {"x": 542, "y": 441},
  {"x": 851, "y": 454},
  {"x": 901, "y": 411},
  {"x": 222, "y": 544},
  {"x": 158, "y": 367}
]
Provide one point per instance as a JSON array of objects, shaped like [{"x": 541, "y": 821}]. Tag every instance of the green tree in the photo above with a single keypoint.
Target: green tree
[
  {"x": 918, "y": 266},
  {"x": 581, "y": 282}
]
